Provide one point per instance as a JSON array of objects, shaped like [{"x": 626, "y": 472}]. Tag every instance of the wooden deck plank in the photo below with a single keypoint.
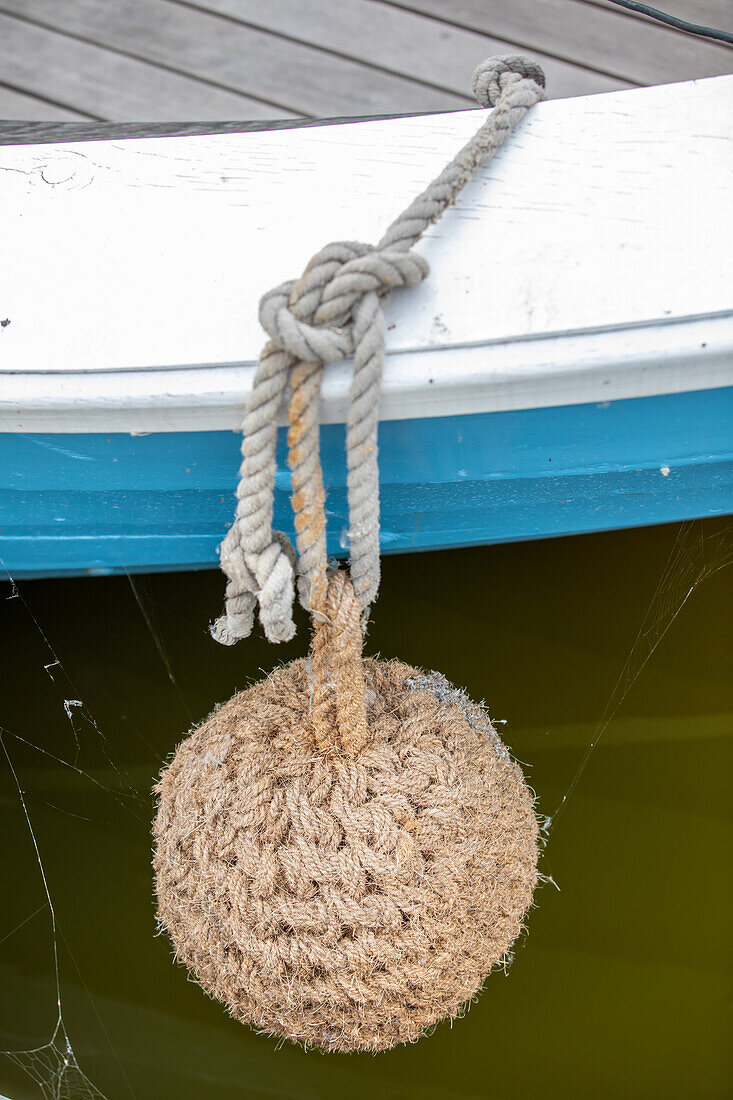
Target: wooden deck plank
[
  {"x": 105, "y": 84},
  {"x": 167, "y": 60},
  {"x": 404, "y": 42},
  {"x": 300, "y": 78},
  {"x": 19, "y": 105},
  {"x": 610, "y": 41}
]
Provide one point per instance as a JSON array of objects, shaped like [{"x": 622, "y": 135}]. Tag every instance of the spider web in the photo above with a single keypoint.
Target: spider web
[
  {"x": 53, "y": 1066},
  {"x": 699, "y": 550},
  {"x": 55, "y": 1070},
  {"x": 697, "y": 554}
]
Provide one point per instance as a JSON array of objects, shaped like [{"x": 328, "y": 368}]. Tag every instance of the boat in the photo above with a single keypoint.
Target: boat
[{"x": 567, "y": 367}]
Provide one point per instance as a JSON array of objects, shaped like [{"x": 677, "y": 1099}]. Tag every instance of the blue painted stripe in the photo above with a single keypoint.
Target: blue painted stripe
[{"x": 101, "y": 503}]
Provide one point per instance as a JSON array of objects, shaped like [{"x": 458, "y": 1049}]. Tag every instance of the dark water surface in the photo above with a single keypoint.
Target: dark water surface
[{"x": 619, "y": 988}]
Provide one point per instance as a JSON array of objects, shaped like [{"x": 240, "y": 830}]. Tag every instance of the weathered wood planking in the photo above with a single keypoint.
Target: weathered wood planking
[
  {"x": 402, "y": 41},
  {"x": 105, "y": 84},
  {"x": 14, "y": 104},
  {"x": 608, "y": 39},
  {"x": 298, "y": 78},
  {"x": 229, "y": 59},
  {"x": 145, "y": 259}
]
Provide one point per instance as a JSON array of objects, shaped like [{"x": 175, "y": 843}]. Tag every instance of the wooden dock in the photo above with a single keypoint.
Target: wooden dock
[{"x": 249, "y": 60}]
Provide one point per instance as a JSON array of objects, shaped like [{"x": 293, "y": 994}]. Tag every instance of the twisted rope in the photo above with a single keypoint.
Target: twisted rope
[
  {"x": 338, "y": 710},
  {"x": 335, "y": 310}
]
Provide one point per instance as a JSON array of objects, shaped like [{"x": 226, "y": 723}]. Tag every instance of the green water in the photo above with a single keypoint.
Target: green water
[{"x": 620, "y": 987}]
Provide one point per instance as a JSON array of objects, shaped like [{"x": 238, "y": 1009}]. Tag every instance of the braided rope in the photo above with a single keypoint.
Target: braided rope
[{"x": 335, "y": 310}]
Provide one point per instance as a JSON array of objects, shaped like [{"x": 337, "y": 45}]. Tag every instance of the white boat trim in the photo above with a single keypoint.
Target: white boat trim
[
  {"x": 568, "y": 369},
  {"x": 590, "y": 261}
]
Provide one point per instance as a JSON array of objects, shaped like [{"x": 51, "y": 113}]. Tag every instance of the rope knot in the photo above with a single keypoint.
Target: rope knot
[
  {"x": 495, "y": 74},
  {"x": 311, "y": 318}
]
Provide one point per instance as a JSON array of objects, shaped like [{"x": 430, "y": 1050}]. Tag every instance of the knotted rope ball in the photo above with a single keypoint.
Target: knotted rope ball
[
  {"x": 345, "y": 850},
  {"x": 347, "y": 894}
]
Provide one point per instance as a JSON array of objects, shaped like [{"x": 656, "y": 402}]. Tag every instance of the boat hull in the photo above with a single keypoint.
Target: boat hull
[{"x": 93, "y": 503}]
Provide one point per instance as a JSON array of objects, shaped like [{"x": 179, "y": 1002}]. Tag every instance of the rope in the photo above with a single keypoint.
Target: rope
[
  {"x": 335, "y": 310},
  {"x": 338, "y": 709}
]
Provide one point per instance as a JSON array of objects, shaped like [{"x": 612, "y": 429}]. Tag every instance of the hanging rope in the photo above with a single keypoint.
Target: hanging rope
[
  {"x": 363, "y": 848},
  {"x": 334, "y": 311}
]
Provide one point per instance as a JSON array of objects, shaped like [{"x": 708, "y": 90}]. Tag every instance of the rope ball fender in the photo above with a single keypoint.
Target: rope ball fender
[{"x": 345, "y": 850}]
